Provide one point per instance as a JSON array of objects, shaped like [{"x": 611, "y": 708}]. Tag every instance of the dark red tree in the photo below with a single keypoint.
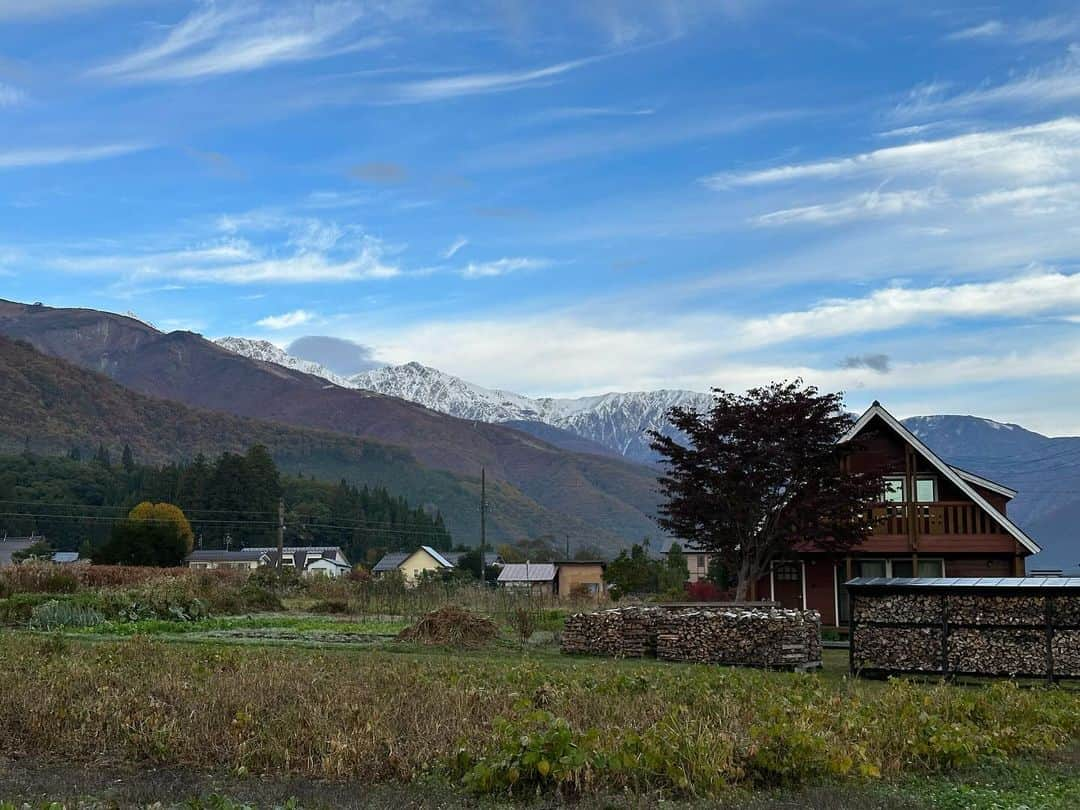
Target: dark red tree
[{"x": 762, "y": 475}]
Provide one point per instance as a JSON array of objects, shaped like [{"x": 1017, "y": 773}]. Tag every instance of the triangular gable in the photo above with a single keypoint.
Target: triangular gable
[
  {"x": 439, "y": 558},
  {"x": 961, "y": 481}
]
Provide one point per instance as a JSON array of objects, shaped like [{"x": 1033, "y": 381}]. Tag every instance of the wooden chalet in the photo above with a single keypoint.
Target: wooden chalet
[{"x": 934, "y": 520}]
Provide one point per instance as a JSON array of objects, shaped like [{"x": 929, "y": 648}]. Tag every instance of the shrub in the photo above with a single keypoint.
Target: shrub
[
  {"x": 703, "y": 591},
  {"x": 55, "y": 614},
  {"x": 523, "y": 621},
  {"x": 277, "y": 580}
]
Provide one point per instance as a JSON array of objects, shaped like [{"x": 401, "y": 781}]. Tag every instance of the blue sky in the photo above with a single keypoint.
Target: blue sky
[{"x": 569, "y": 198}]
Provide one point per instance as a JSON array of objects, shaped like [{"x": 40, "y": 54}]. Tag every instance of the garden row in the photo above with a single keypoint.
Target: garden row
[{"x": 761, "y": 637}]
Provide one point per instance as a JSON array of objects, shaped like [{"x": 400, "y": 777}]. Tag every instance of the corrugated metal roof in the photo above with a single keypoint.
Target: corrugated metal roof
[
  {"x": 527, "y": 572},
  {"x": 390, "y": 562},
  {"x": 65, "y": 556},
  {"x": 965, "y": 582},
  {"x": 439, "y": 558}
]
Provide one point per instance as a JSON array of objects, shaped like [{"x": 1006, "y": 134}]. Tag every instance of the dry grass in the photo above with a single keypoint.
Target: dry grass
[
  {"x": 46, "y": 577},
  {"x": 393, "y": 717},
  {"x": 452, "y": 627}
]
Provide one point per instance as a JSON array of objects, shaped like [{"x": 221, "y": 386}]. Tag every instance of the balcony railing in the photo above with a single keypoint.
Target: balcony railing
[{"x": 937, "y": 518}]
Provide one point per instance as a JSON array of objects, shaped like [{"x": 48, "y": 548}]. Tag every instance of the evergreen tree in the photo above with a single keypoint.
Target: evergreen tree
[
  {"x": 128, "y": 460},
  {"x": 674, "y": 572},
  {"x": 103, "y": 457}
]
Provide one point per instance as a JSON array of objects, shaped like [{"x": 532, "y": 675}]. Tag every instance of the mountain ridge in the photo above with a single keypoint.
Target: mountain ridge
[{"x": 604, "y": 501}]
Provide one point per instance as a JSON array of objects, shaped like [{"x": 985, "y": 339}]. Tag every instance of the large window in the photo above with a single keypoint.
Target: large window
[
  {"x": 896, "y": 489},
  {"x": 902, "y": 567},
  {"x": 926, "y": 489}
]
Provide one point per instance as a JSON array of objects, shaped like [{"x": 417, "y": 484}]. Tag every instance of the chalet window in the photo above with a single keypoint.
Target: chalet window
[
  {"x": 786, "y": 572},
  {"x": 701, "y": 562},
  {"x": 926, "y": 490},
  {"x": 871, "y": 568},
  {"x": 931, "y": 568},
  {"x": 894, "y": 489}
]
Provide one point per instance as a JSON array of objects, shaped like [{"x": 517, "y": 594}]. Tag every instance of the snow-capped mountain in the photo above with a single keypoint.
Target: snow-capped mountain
[
  {"x": 269, "y": 353},
  {"x": 616, "y": 421}
]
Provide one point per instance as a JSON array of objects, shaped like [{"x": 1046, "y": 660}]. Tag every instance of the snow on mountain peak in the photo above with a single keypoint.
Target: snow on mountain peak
[
  {"x": 267, "y": 352},
  {"x": 619, "y": 421}
]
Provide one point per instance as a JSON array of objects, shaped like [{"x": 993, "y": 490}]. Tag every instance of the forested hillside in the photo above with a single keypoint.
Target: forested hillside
[
  {"x": 232, "y": 499},
  {"x": 51, "y": 406}
]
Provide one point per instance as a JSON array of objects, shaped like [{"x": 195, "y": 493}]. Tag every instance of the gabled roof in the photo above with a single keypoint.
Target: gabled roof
[
  {"x": 527, "y": 572},
  {"x": 439, "y": 558},
  {"x": 962, "y": 482}
]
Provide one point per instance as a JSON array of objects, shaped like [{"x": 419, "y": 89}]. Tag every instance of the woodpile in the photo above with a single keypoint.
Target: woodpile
[
  {"x": 628, "y": 632},
  {"x": 763, "y": 637},
  {"x": 755, "y": 637},
  {"x": 996, "y": 651},
  {"x": 968, "y": 632},
  {"x": 902, "y": 649}
]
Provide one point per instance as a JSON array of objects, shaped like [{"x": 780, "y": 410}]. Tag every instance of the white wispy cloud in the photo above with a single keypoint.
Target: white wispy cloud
[
  {"x": 867, "y": 205},
  {"x": 471, "y": 84},
  {"x": 1055, "y": 28},
  {"x": 985, "y": 30},
  {"x": 1041, "y": 151},
  {"x": 259, "y": 247},
  {"x": 1024, "y": 296},
  {"x": 49, "y": 156},
  {"x": 288, "y": 320},
  {"x": 501, "y": 267},
  {"x": 1056, "y": 83},
  {"x": 454, "y": 247},
  {"x": 234, "y": 37}
]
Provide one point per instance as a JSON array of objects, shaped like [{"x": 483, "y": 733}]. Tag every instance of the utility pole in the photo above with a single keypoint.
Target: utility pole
[
  {"x": 280, "y": 531},
  {"x": 483, "y": 524},
  {"x": 568, "y": 546}
]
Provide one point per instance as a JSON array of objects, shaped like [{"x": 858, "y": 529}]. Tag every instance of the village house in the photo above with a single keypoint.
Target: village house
[
  {"x": 311, "y": 561},
  {"x": 414, "y": 564},
  {"x": 934, "y": 520}
]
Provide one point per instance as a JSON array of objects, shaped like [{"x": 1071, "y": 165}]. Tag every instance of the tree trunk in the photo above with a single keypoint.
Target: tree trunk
[{"x": 742, "y": 589}]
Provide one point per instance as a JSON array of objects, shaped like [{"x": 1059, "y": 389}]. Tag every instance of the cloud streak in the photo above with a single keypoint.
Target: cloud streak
[
  {"x": 501, "y": 267},
  {"x": 288, "y": 320},
  {"x": 473, "y": 84},
  {"x": 51, "y": 156},
  {"x": 228, "y": 38}
]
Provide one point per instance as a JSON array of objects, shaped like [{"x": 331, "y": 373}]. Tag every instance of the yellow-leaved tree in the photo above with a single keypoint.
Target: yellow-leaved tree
[{"x": 165, "y": 514}]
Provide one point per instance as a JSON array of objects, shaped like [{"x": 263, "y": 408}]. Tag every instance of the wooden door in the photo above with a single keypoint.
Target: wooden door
[{"x": 787, "y": 585}]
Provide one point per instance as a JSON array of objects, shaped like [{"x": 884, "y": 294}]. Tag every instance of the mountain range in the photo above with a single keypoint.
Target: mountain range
[
  {"x": 610, "y": 424},
  {"x": 577, "y": 467},
  {"x": 536, "y": 488},
  {"x": 1044, "y": 470}
]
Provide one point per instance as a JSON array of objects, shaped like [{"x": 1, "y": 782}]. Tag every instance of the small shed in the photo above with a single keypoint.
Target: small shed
[
  {"x": 538, "y": 577},
  {"x": 996, "y": 626}
]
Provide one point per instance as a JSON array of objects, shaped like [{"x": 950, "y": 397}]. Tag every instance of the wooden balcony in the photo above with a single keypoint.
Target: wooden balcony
[{"x": 939, "y": 518}]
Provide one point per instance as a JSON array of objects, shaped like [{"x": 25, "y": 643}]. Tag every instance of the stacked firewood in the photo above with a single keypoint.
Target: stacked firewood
[
  {"x": 740, "y": 636},
  {"x": 623, "y": 632},
  {"x": 996, "y": 651},
  {"x": 903, "y": 649},
  {"x": 900, "y": 608},
  {"x": 977, "y": 633},
  {"x": 747, "y": 637},
  {"x": 1008, "y": 609}
]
